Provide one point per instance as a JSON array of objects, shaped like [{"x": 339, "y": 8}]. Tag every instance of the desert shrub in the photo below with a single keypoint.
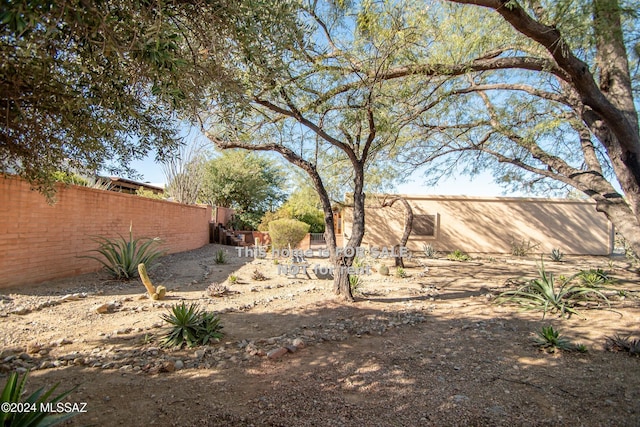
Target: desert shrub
[
  {"x": 429, "y": 250},
  {"x": 233, "y": 279},
  {"x": 33, "y": 415},
  {"x": 287, "y": 232},
  {"x": 522, "y": 247},
  {"x": 458, "y": 255},
  {"x": 120, "y": 257},
  {"x": 221, "y": 257},
  {"x": 191, "y": 326},
  {"x": 217, "y": 290},
  {"x": 258, "y": 276},
  {"x": 401, "y": 273},
  {"x": 623, "y": 344},
  {"x": 547, "y": 294},
  {"x": 384, "y": 270},
  {"x": 556, "y": 255}
]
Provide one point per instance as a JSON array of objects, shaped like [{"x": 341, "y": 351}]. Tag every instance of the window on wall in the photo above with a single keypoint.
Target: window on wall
[{"x": 424, "y": 225}]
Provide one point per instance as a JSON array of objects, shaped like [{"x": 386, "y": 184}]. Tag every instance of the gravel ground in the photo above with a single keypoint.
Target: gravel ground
[{"x": 431, "y": 349}]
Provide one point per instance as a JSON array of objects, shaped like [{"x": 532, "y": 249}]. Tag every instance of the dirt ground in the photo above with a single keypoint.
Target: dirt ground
[{"x": 430, "y": 349}]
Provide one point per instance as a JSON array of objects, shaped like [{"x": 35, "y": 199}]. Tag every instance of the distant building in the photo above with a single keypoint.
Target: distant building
[{"x": 129, "y": 186}]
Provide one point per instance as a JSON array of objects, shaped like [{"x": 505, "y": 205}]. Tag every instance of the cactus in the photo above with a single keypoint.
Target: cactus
[
  {"x": 384, "y": 270},
  {"x": 161, "y": 291},
  {"x": 144, "y": 276}
]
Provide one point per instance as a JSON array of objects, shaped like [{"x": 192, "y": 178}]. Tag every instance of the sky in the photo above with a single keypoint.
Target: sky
[{"x": 480, "y": 186}]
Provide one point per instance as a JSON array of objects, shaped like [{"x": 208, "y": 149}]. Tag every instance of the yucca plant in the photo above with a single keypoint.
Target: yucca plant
[
  {"x": 191, "y": 326},
  {"x": 556, "y": 255},
  {"x": 120, "y": 257},
  {"x": 544, "y": 294},
  {"x": 35, "y": 402},
  {"x": 549, "y": 339}
]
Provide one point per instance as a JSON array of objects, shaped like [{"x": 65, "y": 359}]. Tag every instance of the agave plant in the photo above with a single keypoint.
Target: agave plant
[
  {"x": 120, "y": 257},
  {"x": 556, "y": 255},
  {"x": 549, "y": 339},
  {"x": 595, "y": 278},
  {"x": 543, "y": 293},
  {"x": 191, "y": 326},
  {"x": 38, "y": 400}
]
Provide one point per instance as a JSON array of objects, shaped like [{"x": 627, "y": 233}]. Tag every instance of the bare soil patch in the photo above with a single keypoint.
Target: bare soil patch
[{"x": 430, "y": 349}]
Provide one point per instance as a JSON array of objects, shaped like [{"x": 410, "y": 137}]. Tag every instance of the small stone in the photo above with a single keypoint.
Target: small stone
[
  {"x": 20, "y": 311},
  {"x": 199, "y": 354},
  {"x": 179, "y": 364},
  {"x": 277, "y": 353},
  {"x": 168, "y": 366},
  {"x": 102, "y": 308},
  {"x": 298, "y": 342},
  {"x": 291, "y": 348},
  {"x": 34, "y": 347}
]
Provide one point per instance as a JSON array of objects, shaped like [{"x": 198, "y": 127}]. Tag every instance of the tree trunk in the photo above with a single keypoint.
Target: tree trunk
[
  {"x": 408, "y": 224},
  {"x": 624, "y": 220}
]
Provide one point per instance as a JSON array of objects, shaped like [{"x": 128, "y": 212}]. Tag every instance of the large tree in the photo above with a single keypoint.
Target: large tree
[
  {"x": 93, "y": 84},
  {"x": 294, "y": 105},
  {"x": 249, "y": 183},
  {"x": 542, "y": 88}
]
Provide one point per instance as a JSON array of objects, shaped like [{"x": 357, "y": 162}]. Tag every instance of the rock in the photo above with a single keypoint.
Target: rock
[
  {"x": 291, "y": 348},
  {"x": 277, "y": 353},
  {"x": 34, "y": 347},
  {"x": 298, "y": 343},
  {"x": 199, "y": 354},
  {"x": 123, "y": 331},
  {"x": 61, "y": 342},
  {"x": 20, "y": 311},
  {"x": 179, "y": 364},
  {"x": 102, "y": 308},
  {"x": 168, "y": 366}
]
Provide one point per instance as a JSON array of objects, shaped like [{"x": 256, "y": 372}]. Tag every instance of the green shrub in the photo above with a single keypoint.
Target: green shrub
[
  {"x": 355, "y": 284},
  {"x": 120, "y": 257},
  {"x": 232, "y": 279},
  {"x": 287, "y": 232},
  {"x": 221, "y": 257},
  {"x": 545, "y": 295},
  {"x": 191, "y": 326},
  {"x": 12, "y": 393},
  {"x": 595, "y": 278},
  {"x": 458, "y": 255},
  {"x": 401, "y": 273}
]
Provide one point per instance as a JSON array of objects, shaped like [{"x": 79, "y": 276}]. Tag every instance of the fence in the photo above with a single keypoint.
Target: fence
[{"x": 40, "y": 242}]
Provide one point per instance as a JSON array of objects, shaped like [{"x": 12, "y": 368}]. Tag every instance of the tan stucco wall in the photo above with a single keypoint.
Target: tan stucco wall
[{"x": 489, "y": 225}]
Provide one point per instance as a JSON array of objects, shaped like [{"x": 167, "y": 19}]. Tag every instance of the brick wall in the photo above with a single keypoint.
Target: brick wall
[{"x": 39, "y": 242}]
